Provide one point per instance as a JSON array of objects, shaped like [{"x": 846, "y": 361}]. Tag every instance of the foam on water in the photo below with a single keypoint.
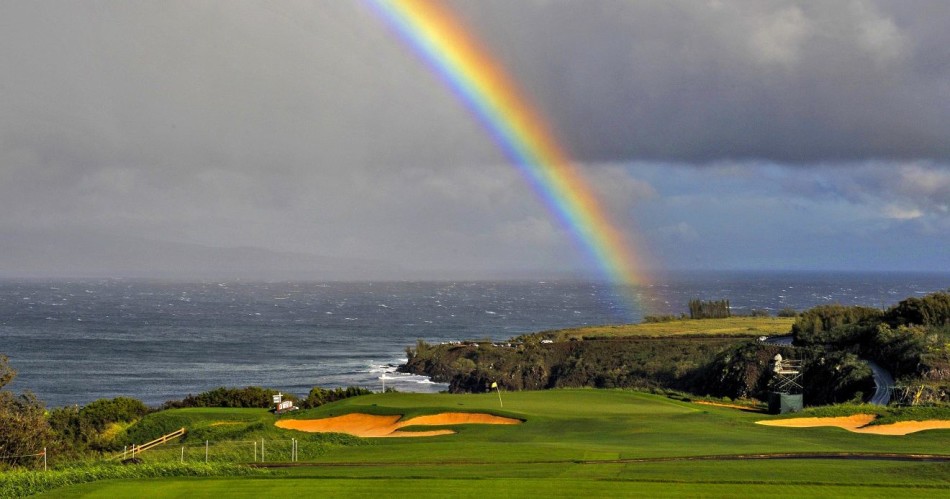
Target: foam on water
[{"x": 77, "y": 341}]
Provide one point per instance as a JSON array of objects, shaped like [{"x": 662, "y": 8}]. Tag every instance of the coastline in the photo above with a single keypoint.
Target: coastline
[{"x": 75, "y": 341}]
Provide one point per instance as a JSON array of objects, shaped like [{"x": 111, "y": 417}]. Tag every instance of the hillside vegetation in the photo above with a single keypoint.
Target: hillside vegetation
[
  {"x": 910, "y": 339},
  {"x": 720, "y": 357},
  {"x": 632, "y": 362}
]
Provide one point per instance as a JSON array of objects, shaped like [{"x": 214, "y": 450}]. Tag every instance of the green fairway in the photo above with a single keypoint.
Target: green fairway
[
  {"x": 598, "y": 424},
  {"x": 572, "y": 442},
  {"x": 480, "y": 488}
]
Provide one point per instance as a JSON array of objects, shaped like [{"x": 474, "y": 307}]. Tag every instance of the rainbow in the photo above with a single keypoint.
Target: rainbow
[{"x": 517, "y": 127}]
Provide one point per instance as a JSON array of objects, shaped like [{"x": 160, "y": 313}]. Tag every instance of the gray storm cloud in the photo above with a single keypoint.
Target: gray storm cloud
[
  {"x": 309, "y": 128},
  {"x": 789, "y": 82}
]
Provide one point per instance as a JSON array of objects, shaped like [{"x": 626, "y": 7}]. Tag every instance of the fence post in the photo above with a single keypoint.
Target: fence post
[
  {"x": 44, "y": 458},
  {"x": 255, "y": 451},
  {"x": 206, "y": 451},
  {"x": 262, "y": 449},
  {"x": 183, "y": 454}
]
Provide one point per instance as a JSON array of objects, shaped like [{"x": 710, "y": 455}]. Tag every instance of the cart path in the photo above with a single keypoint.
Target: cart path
[
  {"x": 883, "y": 384},
  {"x": 883, "y": 381}
]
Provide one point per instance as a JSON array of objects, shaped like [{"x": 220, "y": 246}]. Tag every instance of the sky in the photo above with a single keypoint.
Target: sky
[{"x": 304, "y": 139}]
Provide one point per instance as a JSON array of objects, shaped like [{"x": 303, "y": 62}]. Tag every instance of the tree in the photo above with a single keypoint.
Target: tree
[
  {"x": 787, "y": 312},
  {"x": 930, "y": 310},
  {"x": 319, "y": 396},
  {"x": 828, "y": 324},
  {"x": 6, "y": 371},
  {"x": 23, "y": 427},
  {"x": 88, "y": 428},
  {"x": 251, "y": 396},
  {"x": 699, "y": 309}
]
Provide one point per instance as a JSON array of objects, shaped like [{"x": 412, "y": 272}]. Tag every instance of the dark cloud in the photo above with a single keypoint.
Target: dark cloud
[
  {"x": 309, "y": 128},
  {"x": 791, "y": 82}
]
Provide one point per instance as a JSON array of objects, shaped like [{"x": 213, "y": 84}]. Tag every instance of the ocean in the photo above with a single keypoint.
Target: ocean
[{"x": 75, "y": 341}]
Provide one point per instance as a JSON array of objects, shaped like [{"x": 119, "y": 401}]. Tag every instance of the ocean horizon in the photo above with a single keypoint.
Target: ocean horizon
[{"x": 73, "y": 341}]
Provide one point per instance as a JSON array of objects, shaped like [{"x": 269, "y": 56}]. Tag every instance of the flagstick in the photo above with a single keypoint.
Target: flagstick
[{"x": 498, "y": 389}]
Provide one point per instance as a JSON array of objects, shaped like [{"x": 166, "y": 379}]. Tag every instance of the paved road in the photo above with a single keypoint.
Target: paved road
[
  {"x": 883, "y": 381},
  {"x": 785, "y": 340}
]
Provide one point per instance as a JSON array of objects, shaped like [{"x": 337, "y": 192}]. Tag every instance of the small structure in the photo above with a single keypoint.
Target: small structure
[
  {"x": 787, "y": 382},
  {"x": 282, "y": 406}
]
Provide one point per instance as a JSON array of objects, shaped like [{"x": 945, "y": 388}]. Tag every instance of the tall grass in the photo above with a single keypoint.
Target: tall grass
[
  {"x": 732, "y": 326},
  {"x": 24, "y": 483}
]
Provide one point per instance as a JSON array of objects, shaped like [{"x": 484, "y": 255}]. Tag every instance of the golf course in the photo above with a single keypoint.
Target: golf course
[
  {"x": 503, "y": 438},
  {"x": 569, "y": 443}
]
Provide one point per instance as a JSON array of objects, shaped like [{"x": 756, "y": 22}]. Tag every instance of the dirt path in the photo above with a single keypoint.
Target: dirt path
[{"x": 730, "y": 406}]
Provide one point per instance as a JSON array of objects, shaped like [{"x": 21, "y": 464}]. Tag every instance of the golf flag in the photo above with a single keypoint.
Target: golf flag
[{"x": 494, "y": 385}]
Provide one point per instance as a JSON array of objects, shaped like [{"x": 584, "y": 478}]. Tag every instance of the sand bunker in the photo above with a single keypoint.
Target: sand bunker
[
  {"x": 859, "y": 424},
  {"x": 904, "y": 427},
  {"x": 729, "y": 406},
  {"x": 847, "y": 422},
  {"x": 368, "y": 425}
]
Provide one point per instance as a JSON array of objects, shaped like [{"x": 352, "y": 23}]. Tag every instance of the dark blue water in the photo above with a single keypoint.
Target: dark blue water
[{"x": 77, "y": 341}]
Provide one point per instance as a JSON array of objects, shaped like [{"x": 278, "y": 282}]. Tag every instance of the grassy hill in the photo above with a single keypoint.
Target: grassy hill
[
  {"x": 730, "y": 326},
  {"x": 572, "y": 442},
  {"x": 669, "y": 355}
]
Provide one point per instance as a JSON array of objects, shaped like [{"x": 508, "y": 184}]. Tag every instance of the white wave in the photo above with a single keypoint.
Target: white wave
[{"x": 382, "y": 368}]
